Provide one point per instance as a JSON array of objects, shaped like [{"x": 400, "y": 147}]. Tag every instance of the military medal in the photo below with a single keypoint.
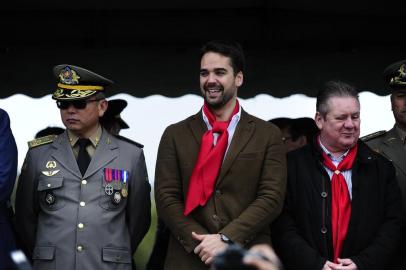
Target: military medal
[
  {"x": 117, "y": 185},
  {"x": 117, "y": 197},
  {"x": 124, "y": 191},
  {"x": 109, "y": 189}
]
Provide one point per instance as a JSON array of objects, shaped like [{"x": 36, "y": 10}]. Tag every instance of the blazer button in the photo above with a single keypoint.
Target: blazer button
[
  {"x": 323, "y": 230},
  {"x": 218, "y": 192},
  {"x": 215, "y": 217},
  {"x": 324, "y": 194}
]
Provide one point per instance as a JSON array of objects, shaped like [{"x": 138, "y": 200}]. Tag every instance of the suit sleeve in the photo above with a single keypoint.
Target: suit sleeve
[
  {"x": 27, "y": 205},
  {"x": 270, "y": 194},
  {"x": 169, "y": 195},
  {"x": 381, "y": 249},
  {"x": 8, "y": 158},
  {"x": 289, "y": 244},
  {"x": 138, "y": 211}
]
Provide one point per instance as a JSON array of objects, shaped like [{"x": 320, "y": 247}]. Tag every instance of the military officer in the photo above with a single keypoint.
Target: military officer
[
  {"x": 392, "y": 143},
  {"x": 83, "y": 198}
]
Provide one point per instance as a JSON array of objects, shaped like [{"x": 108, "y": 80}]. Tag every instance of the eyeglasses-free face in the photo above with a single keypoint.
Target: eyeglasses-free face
[{"x": 78, "y": 104}]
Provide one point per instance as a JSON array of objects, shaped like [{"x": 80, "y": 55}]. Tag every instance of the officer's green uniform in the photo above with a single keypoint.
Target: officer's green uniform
[
  {"x": 70, "y": 220},
  {"x": 392, "y": 145}
]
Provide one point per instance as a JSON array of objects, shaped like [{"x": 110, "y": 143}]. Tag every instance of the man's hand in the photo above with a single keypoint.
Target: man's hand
[
  {"x": 210, "y": 245},
  {"x": 343, "y": 264}
]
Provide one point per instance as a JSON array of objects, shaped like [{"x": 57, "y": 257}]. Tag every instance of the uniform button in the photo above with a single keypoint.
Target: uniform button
[
  {"x": 84, "y": 182},
  {"x": 215, "y": 217},
  {"x": 49, "y": 185},
  {"x": 79, "y": 248},
  {"x": 81, "y": 226},
  {"x": 324, "y": 194},
  {"x": 323, "y": 230},
  {"x": 218, "y": 192},
  {"x": 82, "y": 204}
]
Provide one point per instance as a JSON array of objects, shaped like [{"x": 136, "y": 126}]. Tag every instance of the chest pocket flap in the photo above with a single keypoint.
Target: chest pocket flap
[
  {"x": 47, "y": 183},
  {"x": 116, "y": 255}
]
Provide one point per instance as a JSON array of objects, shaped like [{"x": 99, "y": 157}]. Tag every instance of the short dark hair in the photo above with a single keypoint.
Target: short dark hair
[
  {"x": 333, "y": 89},
  {"x": 230, "y": 49}
]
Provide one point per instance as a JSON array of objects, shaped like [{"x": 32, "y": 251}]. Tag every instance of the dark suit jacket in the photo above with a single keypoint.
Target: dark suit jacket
[
  {"x": 249, "y": 190},
  {"x": 110, "y": 232},
  {"x": 8, "y": 170},
  {"x": 374, "y": 229}
]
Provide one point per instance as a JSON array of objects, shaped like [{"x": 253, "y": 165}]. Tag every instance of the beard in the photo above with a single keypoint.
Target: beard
[{"x": 221, "y": 100}]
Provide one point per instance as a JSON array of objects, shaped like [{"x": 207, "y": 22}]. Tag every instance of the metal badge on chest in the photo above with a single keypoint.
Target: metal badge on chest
[{"x": 116, "y": 184}]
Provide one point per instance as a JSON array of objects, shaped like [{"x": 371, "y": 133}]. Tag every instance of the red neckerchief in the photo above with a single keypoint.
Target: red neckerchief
[
  {"x": 209, "y": 160},
  {"x": 340, "y": 200}
]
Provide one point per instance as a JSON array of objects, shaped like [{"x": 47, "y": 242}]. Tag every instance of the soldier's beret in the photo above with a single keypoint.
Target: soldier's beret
[
  {"x": 77, "y": 83},
  {"x": 395, "y": 75}
]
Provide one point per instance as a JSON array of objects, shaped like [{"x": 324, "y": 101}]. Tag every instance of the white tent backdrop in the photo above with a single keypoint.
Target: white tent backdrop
[{"x": 149, "y": 116}]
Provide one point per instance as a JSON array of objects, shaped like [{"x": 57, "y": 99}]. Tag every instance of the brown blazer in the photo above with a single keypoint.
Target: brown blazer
[{"x": 249, "y": 190}]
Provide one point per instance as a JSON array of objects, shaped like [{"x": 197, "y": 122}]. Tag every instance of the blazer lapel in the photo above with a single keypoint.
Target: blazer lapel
[
  {"x": 64, "y": 155},
  {"x": 198, "y": 127},
  {"x": 243, "y": 133},
  {"x": 393, "y": 147},
  {"x": 105, "y": 152}
]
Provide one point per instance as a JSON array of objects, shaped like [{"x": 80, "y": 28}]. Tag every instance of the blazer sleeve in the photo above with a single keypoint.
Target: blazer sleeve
[
  {"x": 169, "y": 194},
  {"x": 27, "y": 205},
  {"x": 8, "y": 158},
  {"x": 138, "y": 211},
  {"x": 289, "y": 243},
  {"x": 270, "y": 193},
  {"x": 380, "y": 251}
]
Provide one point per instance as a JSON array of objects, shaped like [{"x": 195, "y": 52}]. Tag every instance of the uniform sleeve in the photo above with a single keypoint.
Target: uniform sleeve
[
  {"x": 269, "y": 198},
  {"x": 8, "y": 158},
  {"x": 169, "y": 195},
  {"x": 26, "y": 205},
  {"x": 138, "y": 211}
]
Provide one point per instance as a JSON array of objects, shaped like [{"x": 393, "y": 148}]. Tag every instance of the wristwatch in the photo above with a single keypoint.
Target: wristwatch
[{"x": 225, "y": 239}]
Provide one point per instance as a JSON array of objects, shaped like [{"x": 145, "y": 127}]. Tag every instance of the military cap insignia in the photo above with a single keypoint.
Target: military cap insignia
[
  {"x": 50, "y": 165},
  {"x": 69, "y": 76},
  {"x": 400, "y": 78},
  {"x": 41, "y": 141}
]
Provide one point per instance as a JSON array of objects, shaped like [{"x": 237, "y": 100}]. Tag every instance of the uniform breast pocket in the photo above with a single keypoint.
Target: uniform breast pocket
[
  {"x": 113, "y": 195},
  {"x": 51, "y": 193}
]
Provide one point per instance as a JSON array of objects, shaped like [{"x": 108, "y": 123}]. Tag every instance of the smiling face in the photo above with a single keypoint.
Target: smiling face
[
  {"x": 340, "y": 127},
  {"x": 84, "y": 122},
  {"x": 398, "y": 100},
  {"x": 218, "y": 83}
]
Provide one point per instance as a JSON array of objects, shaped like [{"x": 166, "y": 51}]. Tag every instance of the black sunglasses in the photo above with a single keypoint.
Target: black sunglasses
[{"x": 78, "y": 104}]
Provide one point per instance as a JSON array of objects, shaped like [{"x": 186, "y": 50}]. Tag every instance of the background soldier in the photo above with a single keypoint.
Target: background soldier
[
  {"x": 392, "y": 145},
  {"x": 83, "y": 198}
]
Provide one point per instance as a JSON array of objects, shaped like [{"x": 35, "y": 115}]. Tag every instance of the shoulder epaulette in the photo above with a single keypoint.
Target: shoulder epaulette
[
  {"x": 41, "y": 141},
  {"x": 129, "y": 141},
  {"x": 373, "y": 135}
]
